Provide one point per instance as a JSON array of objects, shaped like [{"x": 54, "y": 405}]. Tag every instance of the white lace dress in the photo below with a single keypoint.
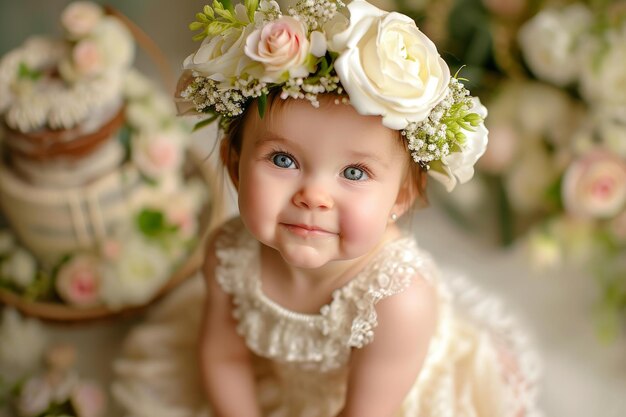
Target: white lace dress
[{"x": 477, "y": 364}]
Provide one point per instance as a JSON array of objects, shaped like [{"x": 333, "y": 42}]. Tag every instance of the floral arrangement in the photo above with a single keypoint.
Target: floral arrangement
[
  {"x": 37, "y": 379},
  {"x": 89, "y": 67},
  {"x": 554, "y": 174},
  {"x": 379, "y": 62},
  {"x": 137, "y": 258},
  {"x": 132, "y": 264}
]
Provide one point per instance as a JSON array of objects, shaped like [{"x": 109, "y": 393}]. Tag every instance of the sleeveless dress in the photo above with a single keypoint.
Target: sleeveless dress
[{"x": 478, "y": 363}]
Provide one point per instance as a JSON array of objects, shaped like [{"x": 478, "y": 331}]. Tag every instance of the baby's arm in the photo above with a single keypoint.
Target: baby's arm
[
  {"x": 224, "y": 357},
  {"x": 382, "y": 372}
]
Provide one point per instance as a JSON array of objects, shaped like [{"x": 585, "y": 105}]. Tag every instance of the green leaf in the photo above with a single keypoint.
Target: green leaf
[
  {"x": 262, "y": 103},
  {"x": 25, "y": 72},
  {"x": 228, "y": 5},
  {"x": 251, "y": 7},
  {"x": 151, "y": 222},
  {"x": 205, "y": 122}
]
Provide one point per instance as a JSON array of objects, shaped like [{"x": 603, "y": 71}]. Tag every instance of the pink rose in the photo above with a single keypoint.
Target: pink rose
[
  {"x": 88, "y": 399},
  {"x": 595, "y": 185},
  {"x": 88, "y": 57},
  {"x": 157, "y": 154},
  {"x": 81, "y": 17},
  {"x": 183, "y": 216},
  {"x": 282, "y": 45},
  {"x": 78, "y": 281}
]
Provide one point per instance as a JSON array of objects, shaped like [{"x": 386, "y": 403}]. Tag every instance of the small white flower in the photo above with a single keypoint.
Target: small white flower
[
  {"x": 20, "y": 268},
  {"x": 388, "y": 67},
  {"x": 549, "y": 42}
]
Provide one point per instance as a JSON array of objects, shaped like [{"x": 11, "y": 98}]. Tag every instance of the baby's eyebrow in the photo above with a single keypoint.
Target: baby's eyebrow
[{"x": 369, "y": 157}]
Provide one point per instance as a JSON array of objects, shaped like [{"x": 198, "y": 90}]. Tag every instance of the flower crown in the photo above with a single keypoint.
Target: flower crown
[{"x": 378, "y": 61}]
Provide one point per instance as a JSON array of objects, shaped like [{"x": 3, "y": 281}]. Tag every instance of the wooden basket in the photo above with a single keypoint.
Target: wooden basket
[{"x": 65, "y": 313}]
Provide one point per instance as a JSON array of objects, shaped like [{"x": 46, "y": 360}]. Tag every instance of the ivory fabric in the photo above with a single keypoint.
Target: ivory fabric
[{"x": 478, "y": 363}]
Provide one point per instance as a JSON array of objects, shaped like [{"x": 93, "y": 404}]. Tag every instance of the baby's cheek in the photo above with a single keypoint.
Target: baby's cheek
[{"x": 362, "y": 227}]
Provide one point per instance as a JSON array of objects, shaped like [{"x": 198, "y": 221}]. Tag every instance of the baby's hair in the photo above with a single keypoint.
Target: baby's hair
[{"x": 232, "y": 142}]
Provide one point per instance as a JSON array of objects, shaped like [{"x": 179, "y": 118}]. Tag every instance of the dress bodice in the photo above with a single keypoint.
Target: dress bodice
[{"x": 311, "y": 341}]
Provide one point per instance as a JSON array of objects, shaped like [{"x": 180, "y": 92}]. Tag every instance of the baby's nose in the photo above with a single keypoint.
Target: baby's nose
[{"x": 313, "y": 197}]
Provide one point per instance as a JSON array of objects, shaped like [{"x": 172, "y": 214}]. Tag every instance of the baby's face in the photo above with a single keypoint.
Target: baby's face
[{"x": 319, "y": 185}]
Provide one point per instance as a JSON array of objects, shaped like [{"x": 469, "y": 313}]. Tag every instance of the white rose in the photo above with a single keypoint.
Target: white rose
[
  {"x": 20, "y": 268},
  {"x": 459, "y": 166},
  {"x": 116, "y": 43},
  {"x": 603, "y": 82},
  {"x": 81, "y": 17},
  {"x": 222, "y": 57},
  {"x": 135, "y": 277},
  {"x": 388, "y": 67},
  {"x": 595, "y": 185},
  {"x": 549, "y": 41},
  {"x": 282, "y": 47}
]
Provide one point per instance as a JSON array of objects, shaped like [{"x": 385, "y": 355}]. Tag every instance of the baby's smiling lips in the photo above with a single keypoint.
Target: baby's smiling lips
[{"x": 305, "y": 230}]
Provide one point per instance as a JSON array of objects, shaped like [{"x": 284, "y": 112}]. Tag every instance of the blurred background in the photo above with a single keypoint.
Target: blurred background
[{"x": 543, "y": 223}]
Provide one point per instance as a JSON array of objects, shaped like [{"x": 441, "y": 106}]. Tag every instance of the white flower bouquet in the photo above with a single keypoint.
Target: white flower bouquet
[
  {"x": 554, "y": 173},
  {"x": 117, "y": 260}
]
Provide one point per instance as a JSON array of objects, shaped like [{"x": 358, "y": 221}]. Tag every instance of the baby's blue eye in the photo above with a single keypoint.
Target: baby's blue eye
[
  {"x": 283, "y": 160},
  {"x": 354, "y": 174}
]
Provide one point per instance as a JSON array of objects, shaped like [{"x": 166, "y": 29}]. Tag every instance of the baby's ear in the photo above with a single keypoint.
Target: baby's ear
[{"x": 230, "y": 159}]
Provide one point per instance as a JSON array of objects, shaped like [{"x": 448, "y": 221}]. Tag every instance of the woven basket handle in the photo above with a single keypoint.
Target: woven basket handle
[{"x": 148, "y": 45}]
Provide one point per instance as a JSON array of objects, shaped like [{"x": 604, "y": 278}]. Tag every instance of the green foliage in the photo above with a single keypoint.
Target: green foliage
[
  {"x": 153, "y": 224},
  {"x": 24, "y": 72},
  {"x": 262, "y": 104},
  {"x": 220, "y": 18},
  {"x": 206, "y": 121}
]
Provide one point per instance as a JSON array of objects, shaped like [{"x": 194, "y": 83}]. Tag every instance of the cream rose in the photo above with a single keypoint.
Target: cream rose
[
  {"x": 282, "y": 47},
  {"x": 136, "y": 276},
  {"x": 78, "y": 282},
  {"x": 222, "y": 57},
  {"x": 603, "y": 81},
  {"x": 458, "y": 167},
  {"x": 595, "y": 185},
  {"x": 20, "y": 268},
  {"x": 549, "y": 41},
  {"x": 81, "y": 17},
  {"x": 388, "y": 67}
]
